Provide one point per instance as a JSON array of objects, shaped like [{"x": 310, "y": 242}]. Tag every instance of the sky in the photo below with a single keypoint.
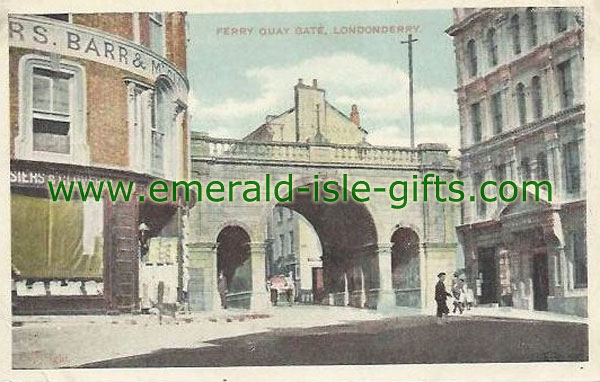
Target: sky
[{"x": 236, "y": 80}]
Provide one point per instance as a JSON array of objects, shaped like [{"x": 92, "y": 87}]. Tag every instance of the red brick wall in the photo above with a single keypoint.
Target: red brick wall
[
  {"x": 119, "y": 24},
  {"x": 176, "y": 40}
]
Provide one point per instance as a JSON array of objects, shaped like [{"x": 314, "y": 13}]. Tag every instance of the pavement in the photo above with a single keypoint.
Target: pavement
[{"x": 47, "y": 342}]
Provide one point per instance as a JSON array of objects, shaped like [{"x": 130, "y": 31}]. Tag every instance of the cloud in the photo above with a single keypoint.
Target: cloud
[{"x": 379, "y": 89}]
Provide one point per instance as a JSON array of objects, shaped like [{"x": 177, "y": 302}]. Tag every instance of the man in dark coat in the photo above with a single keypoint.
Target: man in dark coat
[{"x": 440, "y": 297}]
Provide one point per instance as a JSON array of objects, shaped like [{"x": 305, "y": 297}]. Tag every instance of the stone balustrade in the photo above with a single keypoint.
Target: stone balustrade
[{"x": 208, "y": 148}]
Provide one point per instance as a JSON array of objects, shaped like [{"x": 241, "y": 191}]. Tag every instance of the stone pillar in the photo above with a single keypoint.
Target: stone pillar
[
  {"x": 386, "y": 296},
  {"x": 202, "y": 270},
  {"x": 259, "y": 300},
  {"x": 555, "y": 156}
]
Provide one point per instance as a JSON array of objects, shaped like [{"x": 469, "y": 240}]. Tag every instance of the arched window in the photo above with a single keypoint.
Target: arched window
[
  {"x": 492, "y": 47},
  {"x": 516, "y": 34},
  {"x": 536, "y": 96},
  {"x": 161, "y": 124},
  {"x": 532, "y": 24},
  {"x": 521, "y": 104},
  {"x": 472, "y": 58}
]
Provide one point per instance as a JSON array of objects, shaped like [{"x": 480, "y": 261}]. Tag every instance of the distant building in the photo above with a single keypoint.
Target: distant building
[
  {"x": 312, "y": 120},
  {"x": 93, "y": 97},
  {"x": 521, "y": 101},
  {"x": 295, "y": 248}
]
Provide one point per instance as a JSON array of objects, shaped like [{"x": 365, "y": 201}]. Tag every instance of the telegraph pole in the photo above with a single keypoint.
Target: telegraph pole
[{"x": 410, "y": 88}]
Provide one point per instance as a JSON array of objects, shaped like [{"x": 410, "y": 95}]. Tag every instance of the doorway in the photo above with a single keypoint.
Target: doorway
[
  {"x": 540, "y": 281},
  {"x": 489, "y": 275}
]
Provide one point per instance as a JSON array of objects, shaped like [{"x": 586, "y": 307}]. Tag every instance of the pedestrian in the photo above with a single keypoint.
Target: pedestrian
[
  {"x": 222, "y": 287},
  {"x": 289, "y": 291},
  {"x": 459, "y": 294},
  {"x": 470, "y": 298},
  {"x": 273, "y": 291},
  {"x": 440, "y": 297}
]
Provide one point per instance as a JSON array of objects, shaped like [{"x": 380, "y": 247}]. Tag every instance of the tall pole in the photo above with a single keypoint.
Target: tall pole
[{"x": 410, "y": 89}]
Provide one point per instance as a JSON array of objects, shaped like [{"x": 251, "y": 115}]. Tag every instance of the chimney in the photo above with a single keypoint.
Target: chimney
[
  {"x": 300, "y": 81},
  {"x": 355, "y": 116},
  {"x": 315, "y": 83}
]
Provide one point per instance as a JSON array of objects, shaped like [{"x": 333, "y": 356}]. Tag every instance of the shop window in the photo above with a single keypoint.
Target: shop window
[
  {"x": 578, "y": 245},
  {"x": 472, "y": 58},
  {"x": 516, "y": 34},
  {"x": 572, "y": 167},
  {"x": 157, "y": 33},
  {"x": 533, "y": 29},
  {"x": 521, "y": 104},
  {"x": 492, "y": 47},
  {"x": 565, "y": 81},
  {"x": 536, "y": 95},
  {"x": 52, "y": 100},
  {"x": 497, "y": 112},
  {"x": 476, "y": 122},
  {"x": 55, "y": 240}
]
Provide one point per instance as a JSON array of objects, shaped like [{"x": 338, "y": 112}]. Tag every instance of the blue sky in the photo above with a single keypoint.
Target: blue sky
[{"x": 237, "y": 80}]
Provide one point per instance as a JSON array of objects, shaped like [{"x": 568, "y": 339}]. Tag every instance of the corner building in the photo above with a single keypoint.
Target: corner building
[
  {"x": 93, "y": 97},
  {"x": 522, "y": 116}
]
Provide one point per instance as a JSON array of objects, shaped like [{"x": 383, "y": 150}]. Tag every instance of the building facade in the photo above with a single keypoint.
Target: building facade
[
  {"x": 522, "y": 115},
  {"x": 93, "y": 97},
  {"x": 295, "y": 247}
]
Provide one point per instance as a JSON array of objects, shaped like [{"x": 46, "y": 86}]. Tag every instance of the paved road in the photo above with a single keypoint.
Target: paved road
[{"x": 395, "y": 340}]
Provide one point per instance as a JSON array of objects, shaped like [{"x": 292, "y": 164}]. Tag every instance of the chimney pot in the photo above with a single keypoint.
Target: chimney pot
[
  {"x": 315, "y": 83},
  {"x": 355, "y": 115},
  {"x": 300, "y": 81}
]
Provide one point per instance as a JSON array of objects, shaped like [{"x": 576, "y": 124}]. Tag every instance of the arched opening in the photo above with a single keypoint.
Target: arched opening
[
  {"x": 233, "y": 260},
  {"x": 344, "y": 270},
  {"x": 406, "y": 279}
]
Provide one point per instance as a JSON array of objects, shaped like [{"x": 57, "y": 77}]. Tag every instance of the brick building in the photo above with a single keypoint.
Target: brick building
[
  {"x": 522, "y": 112},
  {"x": 93, "y": 97}
]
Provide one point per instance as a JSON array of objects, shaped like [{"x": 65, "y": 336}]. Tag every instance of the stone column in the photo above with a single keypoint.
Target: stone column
[
  {"x": 259, "y": 299},
  {"x": 202, "y": 270},
  {"x": 555, "y": 156},
  {"x": 386, "y": 296}
]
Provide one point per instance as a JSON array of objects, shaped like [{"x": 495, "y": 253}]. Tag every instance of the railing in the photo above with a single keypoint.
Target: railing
[{"x": 207, "y": 148}]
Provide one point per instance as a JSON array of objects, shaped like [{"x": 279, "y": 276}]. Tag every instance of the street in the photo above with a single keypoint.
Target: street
[{"x": 408, "y": 339}]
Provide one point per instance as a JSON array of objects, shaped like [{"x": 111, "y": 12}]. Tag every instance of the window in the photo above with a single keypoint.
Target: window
[
  {"x": 497, "y": 112},
  {"x": 542, "y": 165},
  {"x": 476, "y": 122},
  {"x": 536, "y": 96},
  {"x": 565, "y": 81},
  {"x": 161, "y": 124},
  {"x": 560, "y": 20},
  {"x": 140, "y": 114},
  {"x": 481, "y": 204},
  {"x": 500, "y": 173},
  {"x": 578, "y": 246},
  {"x": 521, "y": 103},
  {"x": 532, "y": 23},
  {"x": 280, "y": 210},
  {"x": 157, "y": 33},
  {"x": 51, "y": 108},
  {"x": 516, "y": 34},
  {"x": 282, "y": 245},
  {"x": 291, "y": 242},
  {"x": 291, "y": 215},
  {"x": 52, "y": 103},
  {"x": 572, "y": 167},
  {"x": 492, "y": 47},
  {"x": 525, "y": 169},
  {"x": 472, "y": 58}
]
